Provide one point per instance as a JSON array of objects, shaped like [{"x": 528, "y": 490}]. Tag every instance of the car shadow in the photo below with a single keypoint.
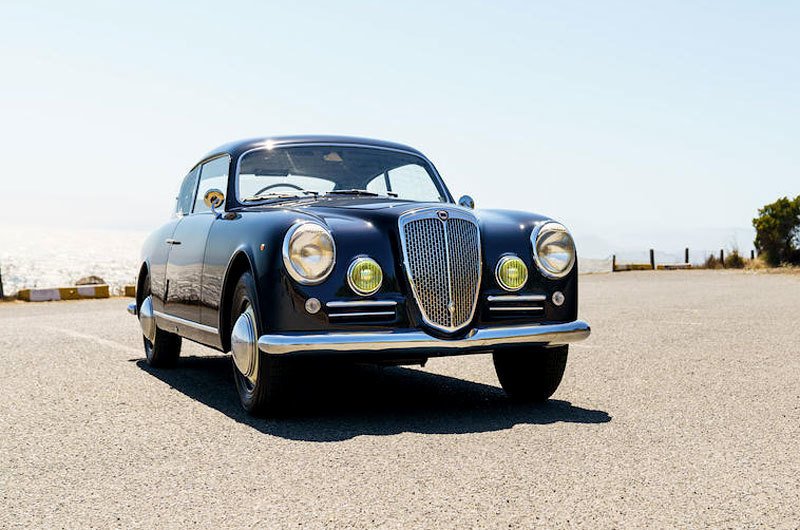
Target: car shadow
[{"x": 335, "y": 402}]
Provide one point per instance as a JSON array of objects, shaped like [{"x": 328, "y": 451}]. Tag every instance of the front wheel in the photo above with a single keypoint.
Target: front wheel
[
  {"x": 258, "y": 377},
  {"x": 161, "y": 348},
  {"x": 530, "y": 374}
]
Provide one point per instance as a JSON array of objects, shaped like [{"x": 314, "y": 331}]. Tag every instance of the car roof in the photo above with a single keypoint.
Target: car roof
[{"x": 235, "y": 149}]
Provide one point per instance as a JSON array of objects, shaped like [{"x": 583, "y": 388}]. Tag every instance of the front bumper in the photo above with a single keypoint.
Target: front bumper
[{"x": 408, "y": 342}]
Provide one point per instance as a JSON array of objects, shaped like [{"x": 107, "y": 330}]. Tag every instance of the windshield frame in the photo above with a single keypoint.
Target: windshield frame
[{"x": 425, "y": 163}]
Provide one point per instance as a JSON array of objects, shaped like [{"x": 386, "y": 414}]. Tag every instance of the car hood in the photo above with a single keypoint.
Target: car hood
[
  {"x": 342, "y": 209},
  {"x": 348, "y": 214}
]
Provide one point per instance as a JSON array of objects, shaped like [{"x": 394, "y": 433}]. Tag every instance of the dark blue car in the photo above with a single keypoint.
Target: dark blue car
[{"x": 354, "y": 249}]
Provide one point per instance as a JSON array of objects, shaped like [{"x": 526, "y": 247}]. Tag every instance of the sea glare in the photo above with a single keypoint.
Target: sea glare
[{"x": 53, "y": 257}]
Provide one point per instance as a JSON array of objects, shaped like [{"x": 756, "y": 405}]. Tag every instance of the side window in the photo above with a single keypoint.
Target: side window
[
  {"x": 378, "y": 184},
  {"x": 186, "y": 193},
  {"x": 413, "y": 182},
  {"x": 213, "y": 174}
]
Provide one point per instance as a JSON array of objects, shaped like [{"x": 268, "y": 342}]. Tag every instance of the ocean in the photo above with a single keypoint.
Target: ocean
[{"x": 54, "y": 257}]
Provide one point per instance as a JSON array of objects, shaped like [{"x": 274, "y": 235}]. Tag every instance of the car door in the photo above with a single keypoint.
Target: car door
[
  {"x": 188, "y": 245},
  {"x": 160, "y": 249}
]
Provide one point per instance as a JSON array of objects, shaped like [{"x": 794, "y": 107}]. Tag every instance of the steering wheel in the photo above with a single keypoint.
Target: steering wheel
[{"x": 279, "y": 185}]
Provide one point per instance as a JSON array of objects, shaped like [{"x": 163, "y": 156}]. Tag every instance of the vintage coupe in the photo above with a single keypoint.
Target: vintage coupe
[{"x": 349, "y": 248}]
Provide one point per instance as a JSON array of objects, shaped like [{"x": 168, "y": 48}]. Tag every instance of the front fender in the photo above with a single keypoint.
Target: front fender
[
  {"x": 353, "y": 237},
  {"x": 509, "y": 232}
]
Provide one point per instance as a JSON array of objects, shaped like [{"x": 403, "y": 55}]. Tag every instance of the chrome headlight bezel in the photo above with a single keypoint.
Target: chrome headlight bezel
[
  {"x": 351, "y": 283},
  {"x": 289, "y": 240},
  {"x": 498, "y": 278},
  {"x": 538, "y": 235}
]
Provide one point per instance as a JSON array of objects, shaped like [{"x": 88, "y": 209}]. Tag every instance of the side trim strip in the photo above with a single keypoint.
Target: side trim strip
[{"x": 184, "y": 322}]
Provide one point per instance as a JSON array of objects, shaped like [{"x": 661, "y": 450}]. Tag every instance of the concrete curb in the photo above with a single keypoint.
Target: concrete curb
[
  {"x": 130, "y": 291},
  {"x": 648, "y": 267},
  {"x": 674, "y": 267},
  {"x": 633, "y": 267},
  {"x": 64, "y": 293}
]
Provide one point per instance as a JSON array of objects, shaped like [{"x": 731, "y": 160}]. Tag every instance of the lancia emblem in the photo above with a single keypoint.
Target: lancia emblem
[{"x": 442, "y": 215}]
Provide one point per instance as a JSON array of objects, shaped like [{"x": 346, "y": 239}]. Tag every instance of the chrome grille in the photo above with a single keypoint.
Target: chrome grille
[{"x": 443, "y": 263}]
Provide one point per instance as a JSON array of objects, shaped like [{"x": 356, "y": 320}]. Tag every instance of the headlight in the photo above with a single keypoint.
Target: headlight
[
  {"x": 308, "y": 253},
  {"x": 365, "y": 276},
  {"x": 511, "y": 273},
  {"x": 553, "y": 249}
]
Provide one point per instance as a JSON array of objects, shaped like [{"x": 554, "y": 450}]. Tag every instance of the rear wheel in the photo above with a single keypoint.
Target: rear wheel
[
  {"x": 530, "y": 374},
  {"x": 259, "y": 377},
  {"x": 161, "y": 348}
]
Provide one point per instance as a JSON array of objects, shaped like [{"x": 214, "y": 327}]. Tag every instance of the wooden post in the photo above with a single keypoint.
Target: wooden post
[
  {"x": 722, "y": 258},
  {"x": 752, "y": 255},
  {"x": 686, "y": 256},
  {"x": 652, "y": 259},
  {"x": 1, "y": 285},
  {"x": 613, "y": 263}
]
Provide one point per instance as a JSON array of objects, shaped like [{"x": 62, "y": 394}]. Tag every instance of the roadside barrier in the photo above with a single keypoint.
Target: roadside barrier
[
  {"x": 130, "y": 291},
  {"x": 673, "y": 266},
  {"x": 631, "y": 267},
  {"x": 64, "y": 293},
  {"x": 619, "y": 267}
]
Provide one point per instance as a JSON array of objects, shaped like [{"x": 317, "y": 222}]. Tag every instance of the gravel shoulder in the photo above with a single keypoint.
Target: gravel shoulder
[{"x": 681, "y": 410}]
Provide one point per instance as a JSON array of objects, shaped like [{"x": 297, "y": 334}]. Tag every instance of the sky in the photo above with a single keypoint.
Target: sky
[{"x": 637, "y": 124}]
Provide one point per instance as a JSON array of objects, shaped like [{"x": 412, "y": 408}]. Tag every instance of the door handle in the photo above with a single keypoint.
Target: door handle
[{"x": 172, "y": 242}]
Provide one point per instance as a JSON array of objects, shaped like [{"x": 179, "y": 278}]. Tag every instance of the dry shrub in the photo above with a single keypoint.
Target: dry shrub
[
  {"x": 712, "y": 262},
  {"x": 756, "y": 264},
  {"x": 734, "y": 260}
]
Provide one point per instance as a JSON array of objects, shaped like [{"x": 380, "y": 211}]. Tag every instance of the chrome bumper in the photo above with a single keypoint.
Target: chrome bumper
[{"x": 409, "y": 341}]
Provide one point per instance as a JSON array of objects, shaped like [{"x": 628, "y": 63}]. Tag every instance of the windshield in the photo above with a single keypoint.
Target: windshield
[{"x": 316, "y": 170}]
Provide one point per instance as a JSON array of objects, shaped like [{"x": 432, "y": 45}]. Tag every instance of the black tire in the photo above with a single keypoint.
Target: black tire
[
  {"x": 530, "y": 374},
  {"x": 261, "y": 398},
  {"x": 164, "y": 350}
]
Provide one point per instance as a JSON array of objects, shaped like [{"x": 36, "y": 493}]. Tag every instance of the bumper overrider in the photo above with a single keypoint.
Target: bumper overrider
[{"x": 414, "y": 341}]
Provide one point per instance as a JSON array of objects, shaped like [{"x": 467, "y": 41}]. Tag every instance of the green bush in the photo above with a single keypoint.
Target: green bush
[
  {"x": 734, "y": 260},
  {"x": 778, "y": 231}
]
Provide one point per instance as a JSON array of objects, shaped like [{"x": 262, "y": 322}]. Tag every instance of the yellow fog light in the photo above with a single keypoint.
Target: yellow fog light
[
  {"x": 511, "y": 273},
  {"x": 364, "y": 276}
]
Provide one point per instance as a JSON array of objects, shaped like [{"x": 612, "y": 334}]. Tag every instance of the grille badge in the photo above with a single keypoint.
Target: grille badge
[{"x": 443, "y": 215}]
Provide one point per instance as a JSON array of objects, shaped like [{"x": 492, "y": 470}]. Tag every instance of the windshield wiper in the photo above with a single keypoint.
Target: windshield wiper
[
  {"x": 276, "y": 195},
  {"x": 362, "y": 193}
]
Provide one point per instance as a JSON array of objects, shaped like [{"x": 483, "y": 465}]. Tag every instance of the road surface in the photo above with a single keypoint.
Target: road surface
[{"x": 681, "y": 410}]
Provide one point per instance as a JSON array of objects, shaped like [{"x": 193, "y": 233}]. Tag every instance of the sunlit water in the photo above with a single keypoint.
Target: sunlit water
[{"x": 53, "y": 257}]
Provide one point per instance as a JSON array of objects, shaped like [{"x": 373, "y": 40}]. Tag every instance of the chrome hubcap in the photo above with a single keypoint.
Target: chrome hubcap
[
  {"x": 147, "y": 320},
  {"x": 244, "y": 345}
]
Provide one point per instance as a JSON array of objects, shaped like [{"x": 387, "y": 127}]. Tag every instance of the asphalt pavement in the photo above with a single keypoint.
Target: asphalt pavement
[{"x": 681, "y": 410}]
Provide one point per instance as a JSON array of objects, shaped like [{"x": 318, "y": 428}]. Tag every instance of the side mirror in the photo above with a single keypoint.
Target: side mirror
[
  {"x": 467, "y": 202},
  {"x": 213, "y": 199}
]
